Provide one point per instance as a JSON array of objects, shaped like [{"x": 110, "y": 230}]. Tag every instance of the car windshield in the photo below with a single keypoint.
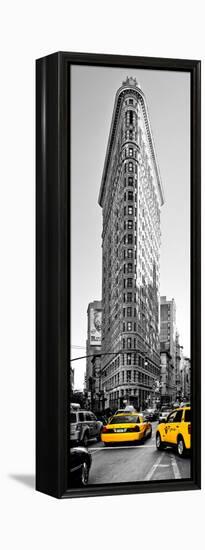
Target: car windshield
[{"x": 125, "y": 419}]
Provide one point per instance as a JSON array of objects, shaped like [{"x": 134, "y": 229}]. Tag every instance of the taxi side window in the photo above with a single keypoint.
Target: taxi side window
[
  {"x": 171, "y": 417},
  {"x": 178, "y": 417},
  {"x": 187, "y": 416},
  {"x": 81, "y": 417},
  {"x": 92, "y": 417},
  {"x": 175, "y": 416},
  {"x": 88, "y": 417}
]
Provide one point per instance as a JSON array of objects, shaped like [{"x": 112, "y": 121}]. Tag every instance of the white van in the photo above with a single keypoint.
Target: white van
[{"x": 84, "y": 426}]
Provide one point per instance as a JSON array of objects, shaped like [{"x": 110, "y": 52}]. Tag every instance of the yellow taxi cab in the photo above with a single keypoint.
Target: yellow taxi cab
[
  {"x": 126, "y": 427},
  {"x": 175, "y": 431}
]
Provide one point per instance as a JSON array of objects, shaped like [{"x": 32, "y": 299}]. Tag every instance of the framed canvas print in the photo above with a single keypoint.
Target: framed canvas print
[{"x": 118, "y": 274}]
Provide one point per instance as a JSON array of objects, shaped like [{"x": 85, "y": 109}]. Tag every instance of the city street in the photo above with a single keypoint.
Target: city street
[{"x": 140, "y": 462}]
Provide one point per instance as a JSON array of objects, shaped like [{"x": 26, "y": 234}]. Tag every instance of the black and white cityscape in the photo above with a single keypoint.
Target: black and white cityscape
[{"x": 131, "y": 417}]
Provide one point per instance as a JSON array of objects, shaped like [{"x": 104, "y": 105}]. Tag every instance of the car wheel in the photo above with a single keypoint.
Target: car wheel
[
  {"x": 84, "y": 474},
  {"x": 159, "y": 443},
  {"x": 85, "y": 440},
  {"x": 181, "y": 449}
]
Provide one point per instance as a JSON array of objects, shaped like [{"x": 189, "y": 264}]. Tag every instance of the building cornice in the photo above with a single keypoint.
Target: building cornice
[{"x": 137, "y": 92}]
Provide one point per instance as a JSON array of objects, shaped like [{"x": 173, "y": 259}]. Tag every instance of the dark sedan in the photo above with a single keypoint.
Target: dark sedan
[
  {"x": 80, "y": 463},
  {"x": 151, "y": 414}
]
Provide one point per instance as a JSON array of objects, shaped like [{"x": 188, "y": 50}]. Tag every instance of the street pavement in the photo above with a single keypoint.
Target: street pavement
[{"x": 141, "y": 462}]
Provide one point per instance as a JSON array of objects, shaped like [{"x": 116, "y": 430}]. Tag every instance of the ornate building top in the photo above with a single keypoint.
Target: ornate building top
[{"x": 130, "y": 81}]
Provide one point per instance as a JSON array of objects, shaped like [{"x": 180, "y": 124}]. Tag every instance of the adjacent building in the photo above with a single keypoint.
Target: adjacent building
[
  {"x": 93, "y": 349},
  {"x": 167, "y": 350},
  {"x": 178, "y": 368},
  {"x": 167, "y": 324},
  {"x": 131, "y": 197},
  {"x": 186, "y": 379},
  {"x": 72, "y": 372}
]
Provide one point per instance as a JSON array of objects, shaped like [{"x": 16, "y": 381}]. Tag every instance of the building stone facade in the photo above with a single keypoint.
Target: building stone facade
[
  {"x": 167, "y": 350},
  {"x": 178, "y": 368},
  {"x": 72, "y": 372},
  {"x": 186, "y": 379},
  {"x": 167, "y": 387},
  {"x": 93, "y": 347},
  {"x": 131, "y": 197},
  {"x": 167, "y": 325}
]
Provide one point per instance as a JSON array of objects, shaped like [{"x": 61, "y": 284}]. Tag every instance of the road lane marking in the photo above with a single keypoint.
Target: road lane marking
[
  {"x": 153, "y": 468},
  {"x": 95, "y": 449},
  {"x": 175, "y": 467}
]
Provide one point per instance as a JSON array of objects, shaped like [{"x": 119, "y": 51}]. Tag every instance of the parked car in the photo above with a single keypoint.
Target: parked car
[
  {"x": 102, "y": 419},
  {"x": 80, "y": 463},
  {"x": 151, "y": 414},
  {"x": 84, "y": 426},
  {"x": 165, "y": 410},
  {"x": 126, "y": 427},
  {"x": 175, "y": 431},
  {"x": 185, "y": 404}
]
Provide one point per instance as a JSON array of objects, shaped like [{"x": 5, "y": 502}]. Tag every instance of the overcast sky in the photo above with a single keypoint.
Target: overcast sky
[{"x": 167, "y": 94}]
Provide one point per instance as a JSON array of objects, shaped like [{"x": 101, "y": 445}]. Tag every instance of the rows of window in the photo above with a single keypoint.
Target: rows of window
[
  {"x": 112, "y": 367},
  {"x": 129, "y": 376},
  {"x": 131, "y": 135},
  {"x": 114, "y": 396},
  {"x": 129, "y": 326},
  {"x": 128, "y": 268},
  {"x": 129, "y": 152},
  {"x": 129, "y": 238},
  {"x": 123, "y": 377},
  {"x": 129, "y": 297},
  {"x": 130, "y": 167},
  {"x": 144, "y": 379},
  {"x": 129, "y": 224},
  {"x": 129, "y": 253},
  {"x": 129, "y": 343},
  {"x": 129, "y": 210},
  {"x": 129, "y": 359},
  {"x": 129, "y": 311},
  {"x": 129, "y": 195},
  {"x": 130, "y": 117},
  {"x": 129, "y": 181},
  {"x": 129, "y": 282}
]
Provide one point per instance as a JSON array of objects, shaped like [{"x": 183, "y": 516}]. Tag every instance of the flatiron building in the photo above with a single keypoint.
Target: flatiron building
[{"x": 131, "y": 197}]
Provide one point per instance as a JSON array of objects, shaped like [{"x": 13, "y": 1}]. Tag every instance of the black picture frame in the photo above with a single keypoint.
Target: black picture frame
[{"x": 53, "y": 262}]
